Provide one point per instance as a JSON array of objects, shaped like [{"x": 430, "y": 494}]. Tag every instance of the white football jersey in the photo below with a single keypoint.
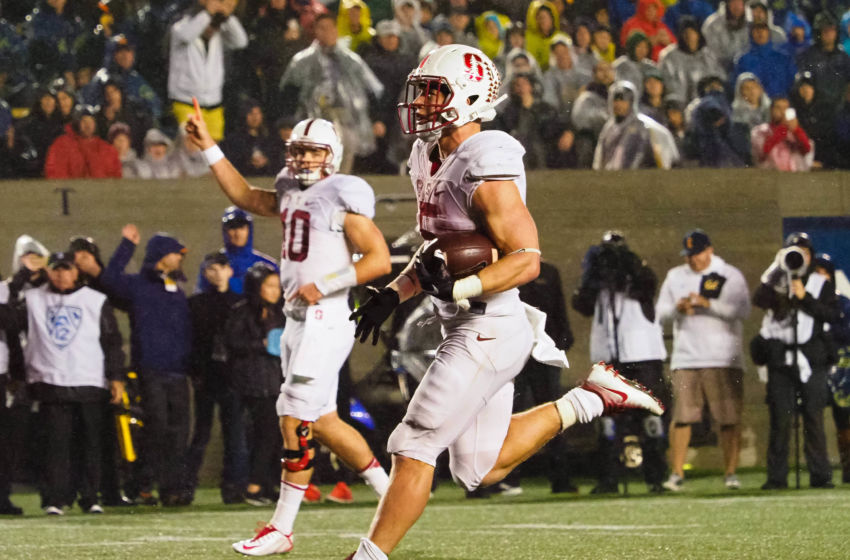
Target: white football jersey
[
  {"x": 314, "y": 243},
  {"x": 445, "y": 196}
]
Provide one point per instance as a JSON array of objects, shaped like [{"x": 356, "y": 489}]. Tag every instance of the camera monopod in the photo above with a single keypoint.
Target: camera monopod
[{"x": 798, "y": 389}]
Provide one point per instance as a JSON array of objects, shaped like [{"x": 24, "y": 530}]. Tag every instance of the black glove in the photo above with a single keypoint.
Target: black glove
[
  {"x": 434, "y": 277},
  {"x": 218, "y": 19},
  {"x": 373, "y": 313},
  {"x": 26, "y": 276}
]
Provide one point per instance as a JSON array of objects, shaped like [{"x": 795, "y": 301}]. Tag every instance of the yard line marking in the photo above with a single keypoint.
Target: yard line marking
[{"x": 586, "y": 527}]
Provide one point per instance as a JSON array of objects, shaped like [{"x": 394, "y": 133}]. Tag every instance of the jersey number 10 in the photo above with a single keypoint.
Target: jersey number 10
[{"x": 297, "y": 229}]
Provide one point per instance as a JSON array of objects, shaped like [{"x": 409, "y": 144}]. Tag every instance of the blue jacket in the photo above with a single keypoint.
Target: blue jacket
[
  {"x": 774, "y": 68},
  {"x": 619, "y": 11},
  {"x": 161, "y": 337},
  {"x": 135, "y": 87},
  {"x": 241, "y": 258},
  {"x": 58, "y": 33},
  {"x": 726, "y": 145},
  {"x": 699, "y": 9},
  {"x": 792, "y": 47}
]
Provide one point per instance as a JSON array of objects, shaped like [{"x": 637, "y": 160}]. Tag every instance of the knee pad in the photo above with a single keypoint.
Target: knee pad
[
  {"x": 653, "y": 427},
  {"x": 295, "y": 460},
  {"x": 608, "y": 428}
]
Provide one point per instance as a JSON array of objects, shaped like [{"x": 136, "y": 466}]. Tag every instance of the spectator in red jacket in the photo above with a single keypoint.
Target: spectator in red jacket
[
  {"x": 80, "y": 153},
  {"x": 782, "y": 143},
  {"x": 648, "y": 19}
]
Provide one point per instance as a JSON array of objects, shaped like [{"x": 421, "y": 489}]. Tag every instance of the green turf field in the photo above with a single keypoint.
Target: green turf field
[{"x": 703, "y": 522}]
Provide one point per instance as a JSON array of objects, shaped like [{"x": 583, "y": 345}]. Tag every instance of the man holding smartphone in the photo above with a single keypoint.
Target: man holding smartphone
[
  {"x": 782, "y": 143},
  {"x": 705, "y": 300}
]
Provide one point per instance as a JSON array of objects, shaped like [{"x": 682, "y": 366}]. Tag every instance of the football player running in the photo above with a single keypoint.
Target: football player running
[
  {"x": 466, "y": 180},
  {"x": 325, "y": 216}
]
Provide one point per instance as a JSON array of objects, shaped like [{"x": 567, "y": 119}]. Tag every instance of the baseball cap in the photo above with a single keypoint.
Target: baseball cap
[
  {"x": 120, "y": 42},
  {"x": 60, "y": 259},
  {"x": 799, "y": 239},
  {"x": 215, "y": 258},
  {"x": 613, "y": 236},
  {"x": 235, "y": 217},
  {"x": 695, "y": 242},
  {"x": 83, "y": 243}
]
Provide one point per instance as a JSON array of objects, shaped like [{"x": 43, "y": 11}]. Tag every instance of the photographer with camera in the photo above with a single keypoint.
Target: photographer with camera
[
  {"x": 617, "y": 289},
  {"x": 796, "y": 347},
  {"x": 706, "y": 299},
  {"x": 196, "y": 61}
]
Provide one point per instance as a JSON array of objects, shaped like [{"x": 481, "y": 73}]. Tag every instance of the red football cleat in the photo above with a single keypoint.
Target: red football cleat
[
  {"x": 341, "y": 494},
  {"x": 618, "y": 393},
  {"x": 312, "y": 494}
]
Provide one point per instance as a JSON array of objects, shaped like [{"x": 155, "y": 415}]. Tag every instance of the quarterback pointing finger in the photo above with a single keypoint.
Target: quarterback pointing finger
[{"x": 325, "y": 217}]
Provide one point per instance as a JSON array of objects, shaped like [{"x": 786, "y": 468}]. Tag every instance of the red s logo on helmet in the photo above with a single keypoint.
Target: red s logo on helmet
[{"x": 474, "y": 67}]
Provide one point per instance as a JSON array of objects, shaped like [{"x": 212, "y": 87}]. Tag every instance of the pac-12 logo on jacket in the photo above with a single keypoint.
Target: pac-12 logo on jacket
[{"x": 63, "y": 323}]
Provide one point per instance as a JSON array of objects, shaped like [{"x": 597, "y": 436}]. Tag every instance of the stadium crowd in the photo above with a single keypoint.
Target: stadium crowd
[{"x": 99, "y": 89}]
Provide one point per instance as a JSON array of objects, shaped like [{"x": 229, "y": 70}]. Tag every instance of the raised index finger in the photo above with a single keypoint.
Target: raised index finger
[{"x": 197, "y": 107}]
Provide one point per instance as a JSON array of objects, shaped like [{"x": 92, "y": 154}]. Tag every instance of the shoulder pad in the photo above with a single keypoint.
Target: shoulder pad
[
  {"x": 356, "y": 195},
  {"x": 493, "y": 155}
]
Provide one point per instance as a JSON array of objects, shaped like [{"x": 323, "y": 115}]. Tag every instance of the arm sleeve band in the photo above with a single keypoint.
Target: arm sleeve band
[
  {"x": 468, "y": 287},
  {"x": 339, "y": 280},
  {"x": 213, "y": 155}
]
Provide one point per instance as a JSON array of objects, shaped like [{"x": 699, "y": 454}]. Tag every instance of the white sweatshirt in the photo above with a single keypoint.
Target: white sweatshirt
[
  {"x": 196, "y": 69},
  {"x": 710, "y": 337}
]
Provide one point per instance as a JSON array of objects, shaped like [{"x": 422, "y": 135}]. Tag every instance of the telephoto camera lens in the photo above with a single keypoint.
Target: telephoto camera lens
[{"x": 794, "y": 261}]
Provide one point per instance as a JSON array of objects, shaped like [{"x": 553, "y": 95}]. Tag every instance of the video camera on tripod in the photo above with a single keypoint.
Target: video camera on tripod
[{"x": 611, "y": 264}]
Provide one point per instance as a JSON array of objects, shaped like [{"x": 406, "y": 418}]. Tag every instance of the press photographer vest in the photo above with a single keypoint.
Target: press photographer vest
[
  {"x": 63, "y": 338},
  {"x": 637, "y": 338},
  {"x": 782, "y": 329}
]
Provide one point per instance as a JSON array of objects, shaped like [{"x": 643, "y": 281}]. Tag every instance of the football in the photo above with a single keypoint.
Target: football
[{"x": 466, "y": 253}]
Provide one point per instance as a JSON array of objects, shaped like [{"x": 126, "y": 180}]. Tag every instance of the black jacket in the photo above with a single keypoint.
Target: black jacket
[
  {"x": 545, "y": 293},
  {"x": 254, "y": 372},
  {"x": 209, "y": 312},
  {"x": 819, "y": 350}
]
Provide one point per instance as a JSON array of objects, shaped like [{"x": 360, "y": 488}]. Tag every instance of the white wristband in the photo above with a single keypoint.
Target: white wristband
[
  {"x": 213, "y": 155},
  {"x": 339, "y": 280},
  {"x": 468, "y": 287}
]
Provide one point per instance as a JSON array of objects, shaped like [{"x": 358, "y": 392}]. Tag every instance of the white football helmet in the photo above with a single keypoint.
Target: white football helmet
[
  {"x": 468, "y": 81},
  {"x": 312, "y": 134}
]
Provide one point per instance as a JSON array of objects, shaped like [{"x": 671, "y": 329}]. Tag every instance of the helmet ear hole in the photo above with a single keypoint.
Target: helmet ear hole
[{"x": 468, "y": 81}]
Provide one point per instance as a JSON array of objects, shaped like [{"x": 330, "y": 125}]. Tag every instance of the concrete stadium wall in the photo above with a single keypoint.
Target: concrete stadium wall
[{"x": 741, "y": 210}]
